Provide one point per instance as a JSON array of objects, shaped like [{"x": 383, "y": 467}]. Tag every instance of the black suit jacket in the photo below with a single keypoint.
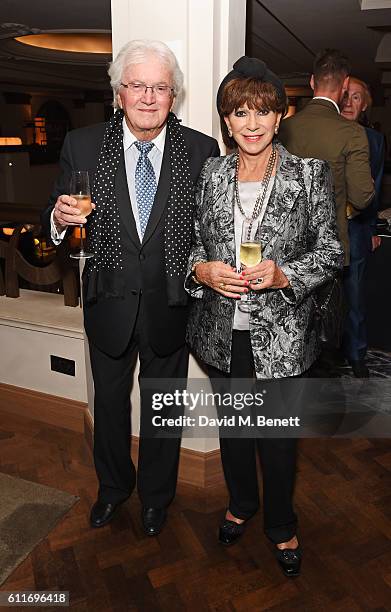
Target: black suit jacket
[{"x": 109, "y": 322}]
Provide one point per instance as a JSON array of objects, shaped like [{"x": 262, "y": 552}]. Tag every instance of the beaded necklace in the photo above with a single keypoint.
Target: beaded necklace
[{"x": 262, "y": 192}]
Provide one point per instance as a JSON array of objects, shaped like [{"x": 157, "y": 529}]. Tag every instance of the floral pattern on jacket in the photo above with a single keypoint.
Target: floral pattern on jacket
[{"x": 298, "y": 232}]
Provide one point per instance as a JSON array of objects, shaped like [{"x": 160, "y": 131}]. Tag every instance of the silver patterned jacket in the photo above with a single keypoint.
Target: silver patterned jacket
[{"x": 298, "y": 232}]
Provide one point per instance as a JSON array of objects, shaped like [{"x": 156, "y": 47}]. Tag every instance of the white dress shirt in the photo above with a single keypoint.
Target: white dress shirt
[{"x": 131, "y": 154}]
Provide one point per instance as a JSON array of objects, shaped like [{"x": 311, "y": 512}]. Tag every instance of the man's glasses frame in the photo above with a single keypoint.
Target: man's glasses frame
[{"x": 160, "y": 90}]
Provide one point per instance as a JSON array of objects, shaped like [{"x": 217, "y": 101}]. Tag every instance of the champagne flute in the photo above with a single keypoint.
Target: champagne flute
[
  {"x": 250, "y": 255},
  {"x": 80, "y": 190}
]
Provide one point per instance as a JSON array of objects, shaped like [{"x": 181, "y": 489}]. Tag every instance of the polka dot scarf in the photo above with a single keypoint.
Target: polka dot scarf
[
  {"x": 179, "y": 219},
  {"x": 103, "y": 274}
]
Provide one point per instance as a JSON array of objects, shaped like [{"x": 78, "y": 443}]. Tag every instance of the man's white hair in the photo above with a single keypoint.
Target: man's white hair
[{"x": 138, "y": 52}]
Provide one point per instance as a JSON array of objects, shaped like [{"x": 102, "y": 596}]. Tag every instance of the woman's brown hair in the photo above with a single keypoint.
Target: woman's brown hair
[{"x": 253, "y": 92}]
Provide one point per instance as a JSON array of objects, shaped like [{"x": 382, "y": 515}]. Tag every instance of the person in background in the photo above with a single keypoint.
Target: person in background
[
  {"x": 362, "y": 233},
  {"x": 319, "y": 131},
  {"x": 145, "y": 165},
  {"x": 291, "y": 200}
]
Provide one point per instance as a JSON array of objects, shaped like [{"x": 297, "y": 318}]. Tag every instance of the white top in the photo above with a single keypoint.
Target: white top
[
  {"x": 131, "y": 154},
  {"x": 248, "y": 192}
]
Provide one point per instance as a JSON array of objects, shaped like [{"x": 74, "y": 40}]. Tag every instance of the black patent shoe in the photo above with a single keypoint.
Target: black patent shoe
[
  {"x": 153, "y": 520},
  {"x": 289, "y": 559},
  {"x": 230, "y": 532},
  {"x": 102, "y": 513}
]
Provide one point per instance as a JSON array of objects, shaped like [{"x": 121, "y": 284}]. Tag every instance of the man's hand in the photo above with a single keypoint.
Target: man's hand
[
  {"x": 267, "y": 275},
  {"x": 222, "y": 278},
  {"x": 66, "y": 213}
]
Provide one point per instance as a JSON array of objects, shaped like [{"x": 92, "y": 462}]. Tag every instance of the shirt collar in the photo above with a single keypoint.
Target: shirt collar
[
  {"x": 130, "y": 138},
  {"x": 328, "y": 100}
]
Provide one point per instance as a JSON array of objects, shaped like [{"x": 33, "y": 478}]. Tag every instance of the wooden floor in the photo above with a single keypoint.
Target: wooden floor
[{"x": 344, "y": 503}]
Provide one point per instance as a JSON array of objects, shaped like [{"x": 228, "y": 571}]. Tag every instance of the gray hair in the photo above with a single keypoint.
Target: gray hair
[{"x": 137, "y": 52}]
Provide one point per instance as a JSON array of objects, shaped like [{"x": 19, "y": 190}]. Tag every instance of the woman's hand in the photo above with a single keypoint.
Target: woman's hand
[
  {"x": 266, "y": 275},
  {"x": 222, "y": 278}
]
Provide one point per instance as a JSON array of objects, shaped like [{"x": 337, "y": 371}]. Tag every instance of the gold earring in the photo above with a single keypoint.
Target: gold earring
[
  {"x": 276, "y": 129},
  {"x": 230, "y": 132}
]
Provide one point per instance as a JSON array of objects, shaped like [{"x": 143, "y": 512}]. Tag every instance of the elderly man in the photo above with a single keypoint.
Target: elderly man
[
  {"x": 362, "y": 233},
  {"x": 144, "y": 165},
  {"x": 319, "y": 131}
]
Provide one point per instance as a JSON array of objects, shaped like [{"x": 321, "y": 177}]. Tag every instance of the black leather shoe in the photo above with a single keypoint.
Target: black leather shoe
[
  {"x": 230, "y": 532},
  {"x": 153, "y": 520},
  {"x": 360, "y": 370},
  {"x": 102, "y": 513},
  {"x": 289, "y": 559}
]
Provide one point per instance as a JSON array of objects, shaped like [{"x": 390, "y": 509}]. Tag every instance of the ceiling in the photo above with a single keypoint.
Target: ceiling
[
  {"x": 24, "y": 68},
  {"x": 288, "y": 34},
  {"x": 285, "y": 33}
]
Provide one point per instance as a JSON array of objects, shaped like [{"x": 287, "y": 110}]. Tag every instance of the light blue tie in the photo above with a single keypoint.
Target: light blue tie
[{"x": 145, "y": 183}]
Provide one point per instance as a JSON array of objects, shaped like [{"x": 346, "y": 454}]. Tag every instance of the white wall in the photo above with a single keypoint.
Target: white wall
[
  {"x": 33, "y": 327},
  {"x": 207, "y": 36},
  {"x": 26, "y": 363}
]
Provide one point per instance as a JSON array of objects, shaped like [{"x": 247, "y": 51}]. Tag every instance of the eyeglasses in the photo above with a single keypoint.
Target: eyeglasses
[{"x": 160, "y": 91}]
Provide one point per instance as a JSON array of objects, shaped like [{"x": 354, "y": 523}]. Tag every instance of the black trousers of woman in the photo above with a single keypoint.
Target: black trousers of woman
[{"x": 277, "y": 458}]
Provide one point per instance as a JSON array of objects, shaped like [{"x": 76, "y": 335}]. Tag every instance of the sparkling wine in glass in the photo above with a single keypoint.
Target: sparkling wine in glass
[
  {"x": 250, "y": 255},
  {"x": 80, "y": 190}
]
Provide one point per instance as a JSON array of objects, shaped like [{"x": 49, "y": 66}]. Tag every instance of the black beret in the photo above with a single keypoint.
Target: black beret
[{"x": 250, "y": 67}]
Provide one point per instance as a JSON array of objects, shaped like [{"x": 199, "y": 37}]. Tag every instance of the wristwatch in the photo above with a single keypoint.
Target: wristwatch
[{"x": 194, "y": 272}]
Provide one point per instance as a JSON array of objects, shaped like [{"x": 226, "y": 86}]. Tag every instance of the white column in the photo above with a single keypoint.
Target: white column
[{"x": 207, "y": 36}]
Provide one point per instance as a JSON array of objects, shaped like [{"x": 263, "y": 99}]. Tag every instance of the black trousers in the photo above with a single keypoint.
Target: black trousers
[
  {"x": 158, "y": 456},
  {"x": 277, "y": 458}
]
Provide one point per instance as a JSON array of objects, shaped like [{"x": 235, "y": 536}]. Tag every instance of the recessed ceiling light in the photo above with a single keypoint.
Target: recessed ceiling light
[{"x": 75, "y": 43}]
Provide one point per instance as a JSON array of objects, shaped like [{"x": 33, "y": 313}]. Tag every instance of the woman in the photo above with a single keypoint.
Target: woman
[{"x": 300, "y": 252}]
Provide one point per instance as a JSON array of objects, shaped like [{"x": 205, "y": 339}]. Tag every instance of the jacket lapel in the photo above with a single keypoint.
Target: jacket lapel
[
  {"x": 162, "y": 193},
  {"x": 123, "y": 201},
  {"x": 285, "y": 191},
  {"x": 223, "y": 209}
]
